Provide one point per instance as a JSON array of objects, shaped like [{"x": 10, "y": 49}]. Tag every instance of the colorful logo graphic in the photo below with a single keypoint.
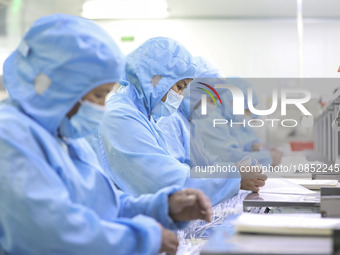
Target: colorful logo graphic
[
  {"x": 209, "y": 93},
  {"x": 238, "y": 105}
]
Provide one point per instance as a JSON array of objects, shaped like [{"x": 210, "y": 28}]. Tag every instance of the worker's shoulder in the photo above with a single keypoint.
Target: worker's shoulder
[
  {"x": 124, "y": 109},
  {"x": 10, "y": 114},
  {"x": 14, "y": 124},
  {"x": 174, "y": 120}
]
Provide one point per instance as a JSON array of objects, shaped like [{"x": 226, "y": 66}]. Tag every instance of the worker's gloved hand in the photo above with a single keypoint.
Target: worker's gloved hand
[
  {"x": 252, "y": 178},
  {"x": 190, "y": 204},
  {"x": 169, "y": 241},
  {"x": 276, "y": 156}
]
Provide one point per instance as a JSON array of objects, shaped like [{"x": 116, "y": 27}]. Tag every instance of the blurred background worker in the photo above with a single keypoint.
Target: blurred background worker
[
  {"x": 54, "y": 195},
  {"x": 176, "y": 128},
  {"x": 181, "y": 130},
  {"x": 245, "y": 135}
]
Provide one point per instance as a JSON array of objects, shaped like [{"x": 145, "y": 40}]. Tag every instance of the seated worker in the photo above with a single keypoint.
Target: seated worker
[
  {"x": 131, "y": 146},
  {"x": 176, "y": 128},
  {"x": 228, "y": 142},
  {"x": 54, "y": 196},
  {"x": 245, "y": 135}
]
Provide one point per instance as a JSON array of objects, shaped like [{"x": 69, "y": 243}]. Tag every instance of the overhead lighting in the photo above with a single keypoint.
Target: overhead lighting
[{"x": 125, "y": 9}]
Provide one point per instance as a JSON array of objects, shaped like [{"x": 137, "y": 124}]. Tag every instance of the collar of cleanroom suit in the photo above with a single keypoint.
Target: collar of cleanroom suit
[
  {"x": 177, "y": 132},
  {"x": 176, "y": 128},
  {"x": 132, "y": 147},
  {"x": 54, "y": 196}
]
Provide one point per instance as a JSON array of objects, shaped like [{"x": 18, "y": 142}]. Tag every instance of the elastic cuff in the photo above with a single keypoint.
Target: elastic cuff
[
  {"x": 154, "y": 231},
  {"x": 166, "y": 220}
]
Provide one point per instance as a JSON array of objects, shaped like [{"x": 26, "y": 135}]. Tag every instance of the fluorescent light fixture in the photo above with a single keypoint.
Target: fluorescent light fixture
[{"x": 125, "y": 9}]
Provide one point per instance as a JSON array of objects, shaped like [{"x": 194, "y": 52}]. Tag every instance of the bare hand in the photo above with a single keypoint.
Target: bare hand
[
  {"x": 169, "y": 241},
  {"x": 252, "y": 180},
  {"x": 190, "y": 204}
]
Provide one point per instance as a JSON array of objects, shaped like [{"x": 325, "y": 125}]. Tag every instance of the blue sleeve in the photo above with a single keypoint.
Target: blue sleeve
[
  {"x": 246, "y": 136},
  {"x": 226, "y": 186},
  {"x": 133, "y": 157},
  {"x": 38, "y": 215},
  {"x": 248, "y": 146},
  {"x": 223, "y": 143},
  {"x": 175, "y": 133},
  {"x": 235, "y": 153},
  {"x": 218, "y": 189},
  {"x": 153, "y": 205},
  {"x": 138, "y": 165}
]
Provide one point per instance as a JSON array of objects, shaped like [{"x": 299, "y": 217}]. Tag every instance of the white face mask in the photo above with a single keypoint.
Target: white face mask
[
  {"x": 85, "y": 122},
  {"x": 171, "y": 104}
]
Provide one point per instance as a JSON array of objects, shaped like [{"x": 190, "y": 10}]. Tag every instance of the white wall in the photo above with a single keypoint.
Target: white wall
[
  {"x": 322, "y": 48},
  {"x": 250, "y": 48},
  {"x": 246, "y": 48}
]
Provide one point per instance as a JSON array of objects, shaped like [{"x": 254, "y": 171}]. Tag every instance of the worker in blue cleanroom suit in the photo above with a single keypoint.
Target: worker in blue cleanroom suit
[
  {"x": 221, "y": 141},
  {"x": 182, "y": 142},
  {"x": 246, "y": 136},
  {"x": 54, "y": 196},
  {"x": 229, "y": 143},
  {"x": 134, "y": 150},
  {"x": 184, "y": 139},
  {"x": 176, "y": 128}
]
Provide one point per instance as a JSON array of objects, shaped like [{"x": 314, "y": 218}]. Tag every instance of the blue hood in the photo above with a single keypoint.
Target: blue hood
[
  {"x": 196, "y": 94},
  {"x": 59, "y": 60},
  {"x": 155, "y": 66},
  {"x": 207, "y": 73},
  {"x": 207, "y": 69}
]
